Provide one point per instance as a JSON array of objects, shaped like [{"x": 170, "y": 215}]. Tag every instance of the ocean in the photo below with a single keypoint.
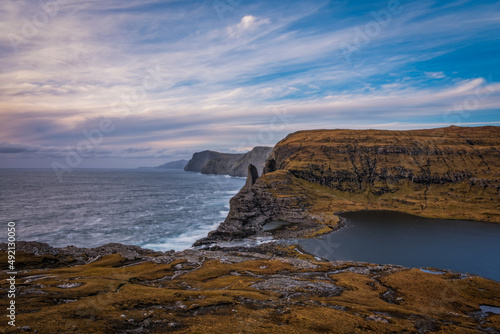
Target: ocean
[{"x": 151, "y": 208}]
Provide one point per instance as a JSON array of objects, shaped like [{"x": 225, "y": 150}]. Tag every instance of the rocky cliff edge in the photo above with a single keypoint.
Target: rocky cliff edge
[
  {"x": 211, "y": 162},
  {"x": 449, "y": 172}
]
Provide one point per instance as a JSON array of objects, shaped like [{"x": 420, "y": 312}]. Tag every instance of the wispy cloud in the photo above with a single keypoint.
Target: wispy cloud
[
  {"x": 435, "y": 75},
  {"x": 174, "y": 78}
]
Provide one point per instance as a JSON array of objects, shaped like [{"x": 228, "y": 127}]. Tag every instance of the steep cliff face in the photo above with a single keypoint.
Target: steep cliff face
[
  {"x": 447, "y": 173},
  {"x": 210, "y": 162},
  {"x": 257, "y": 157},
  {"x": 221, "y": 164}
]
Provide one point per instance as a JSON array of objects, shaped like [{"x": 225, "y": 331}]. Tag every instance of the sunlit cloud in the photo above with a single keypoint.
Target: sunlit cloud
[{"x": 174, "y": 78}]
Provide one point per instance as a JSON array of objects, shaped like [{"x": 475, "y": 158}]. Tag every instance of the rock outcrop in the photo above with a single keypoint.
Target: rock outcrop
[
  {"x": 257, "y": 157},
  {"x": 267, "y": 290},
  {"x": 211, "y": 162},
  {"x": 56, "y": 257},
  {"x": 439, "y": 173}
]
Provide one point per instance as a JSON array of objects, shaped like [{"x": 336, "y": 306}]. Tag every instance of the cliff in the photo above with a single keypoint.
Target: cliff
[
  {"x": 200, "y": 160},
  {"x": 210, "y": 162},
  {"x": 449, "y": 172},
  {"x": 221, "y": 164},
  {"x": 257, "y": 157},
  {"x": 178, "y": 164}
]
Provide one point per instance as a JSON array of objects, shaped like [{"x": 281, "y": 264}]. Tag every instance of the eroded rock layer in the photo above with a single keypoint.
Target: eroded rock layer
[{"x": 449, "y": 172}]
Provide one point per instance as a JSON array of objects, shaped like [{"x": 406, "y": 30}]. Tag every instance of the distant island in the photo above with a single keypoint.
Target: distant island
[{"x": 178, "y": 164}]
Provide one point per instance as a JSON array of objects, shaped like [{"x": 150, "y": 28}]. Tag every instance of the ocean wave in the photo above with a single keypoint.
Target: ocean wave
[
  {"x": 185, "y": 208},
  {"x": 183, "y": 240}
]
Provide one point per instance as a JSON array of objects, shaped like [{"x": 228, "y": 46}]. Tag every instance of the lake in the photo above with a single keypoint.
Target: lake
[{"x": 388, "y": 237}]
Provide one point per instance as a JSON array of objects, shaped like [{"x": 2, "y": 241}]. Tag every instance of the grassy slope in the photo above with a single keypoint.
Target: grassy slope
[{"x": 442, "y": 173}]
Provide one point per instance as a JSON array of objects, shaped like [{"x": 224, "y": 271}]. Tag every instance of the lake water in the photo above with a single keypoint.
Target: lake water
[
  {"x": 152, "y": 208},
  {"x": 387, "y": 237}
]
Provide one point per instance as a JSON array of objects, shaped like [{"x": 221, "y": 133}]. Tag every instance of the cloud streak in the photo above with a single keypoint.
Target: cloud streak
[{"x": 173, "y": 78}]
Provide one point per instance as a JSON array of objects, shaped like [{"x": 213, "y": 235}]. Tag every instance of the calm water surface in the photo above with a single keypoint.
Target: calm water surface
[{"x": 388, "y": 237}]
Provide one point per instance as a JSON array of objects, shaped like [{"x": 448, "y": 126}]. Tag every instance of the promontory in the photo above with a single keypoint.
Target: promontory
[
  {"x": 211, "y": 162},
  {"x": 451, "y": 172}
]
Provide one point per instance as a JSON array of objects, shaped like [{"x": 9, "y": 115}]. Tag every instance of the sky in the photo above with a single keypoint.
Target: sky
[{"x": 123, "y": 84}]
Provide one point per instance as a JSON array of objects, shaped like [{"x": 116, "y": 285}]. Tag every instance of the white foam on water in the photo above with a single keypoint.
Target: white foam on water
[
  {"x": 176, "y": 208},
  {"x": 184, "y": 240},
  {"x": 171, "y": 201},
  {"x": 131, "y": 209},
  {"x": 246, "y": 242}
]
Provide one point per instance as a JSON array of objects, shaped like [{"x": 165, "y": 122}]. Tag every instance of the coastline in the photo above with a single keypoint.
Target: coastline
[
  {"x": 312, "y": 174},
  {"x": 81, "y": 255},
  {"x": 280, "y": 288}
]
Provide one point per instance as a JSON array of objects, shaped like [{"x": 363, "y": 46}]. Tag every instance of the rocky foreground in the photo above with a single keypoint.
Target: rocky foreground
[{"x": 269, "y": 289}]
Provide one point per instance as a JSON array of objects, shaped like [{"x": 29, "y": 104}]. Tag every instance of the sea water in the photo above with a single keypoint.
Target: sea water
[{"x": 151, "y": 208}]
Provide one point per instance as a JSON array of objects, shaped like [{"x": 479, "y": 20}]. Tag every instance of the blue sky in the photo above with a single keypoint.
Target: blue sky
[{"x": 138, "y": 83}]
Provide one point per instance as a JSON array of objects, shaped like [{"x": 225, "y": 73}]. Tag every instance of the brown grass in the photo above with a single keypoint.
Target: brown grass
[{"x": 219, "y": 297}]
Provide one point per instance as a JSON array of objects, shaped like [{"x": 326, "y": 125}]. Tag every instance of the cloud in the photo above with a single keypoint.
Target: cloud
[
  {"x": 248, "y": 23},
  {"x": 13, "y": 148},
  {"x": 171, "y": 74},
  {"x": 435, "y": 75},
  {"x": 137, "y": 149}
]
